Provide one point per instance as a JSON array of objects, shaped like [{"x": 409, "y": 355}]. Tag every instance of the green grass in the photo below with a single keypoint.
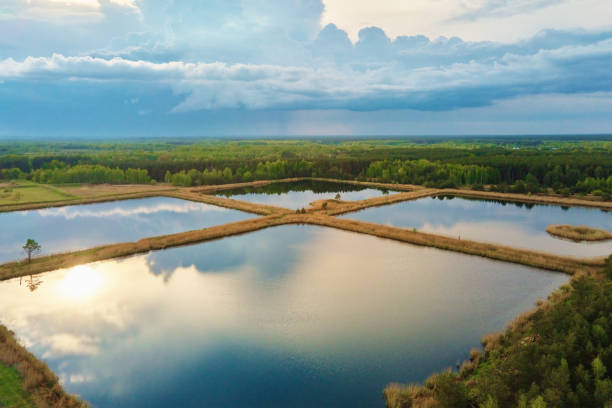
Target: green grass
[
  {"x": 27, "y": 192},
  {"x": 12, "y": 395}
]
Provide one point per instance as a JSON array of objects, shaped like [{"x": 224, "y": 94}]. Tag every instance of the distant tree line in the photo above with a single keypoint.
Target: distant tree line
[{"x": 566, "y": 167}]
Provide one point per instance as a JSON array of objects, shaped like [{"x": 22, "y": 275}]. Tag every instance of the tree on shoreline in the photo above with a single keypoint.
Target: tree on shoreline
[{"x": 31, "y": 247}]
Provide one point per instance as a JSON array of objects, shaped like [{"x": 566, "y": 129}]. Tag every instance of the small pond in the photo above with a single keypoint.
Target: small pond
[
  {"x": 512, "y": 224},
  {"x": 300, "y": 194},
  {"x": 292, "y": 316},
  {"x": 75, "y": 227}
]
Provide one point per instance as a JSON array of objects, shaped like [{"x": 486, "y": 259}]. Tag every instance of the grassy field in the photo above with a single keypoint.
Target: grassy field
[
  {"x": 24, "y": 192},
  {"x": 12, "y": 394}
]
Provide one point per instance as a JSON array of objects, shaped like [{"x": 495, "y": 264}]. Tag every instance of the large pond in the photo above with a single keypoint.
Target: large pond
[
  {"x": 292, "y": 316},
  {"x": 513, "y": 224},
  {"x": 84, "y": 226},
  {"x": 295, "y": 195}
]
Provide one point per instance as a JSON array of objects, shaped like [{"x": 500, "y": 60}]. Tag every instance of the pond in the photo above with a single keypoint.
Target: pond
[
  {"x": 512, "y": 224},
  {"x": 300, "y": 194},
  {"x": 84, "y": 226},
  {"x": 297, "y": 316}
]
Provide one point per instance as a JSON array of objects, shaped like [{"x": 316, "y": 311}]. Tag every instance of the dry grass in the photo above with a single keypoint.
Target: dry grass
[
  {"x": 69, "y": 259},
  {"x": 408, "y": 396},
  {"x": 84, "y": 194},
  {"x": 98, "y": 194},
  {"x": 525, "y": 198},
  {"x": 97, "y": 190},
  {"x": 258, "y": 183},
  {"x": 37, "y": 379},
  {"x": 578, "y": 233},
  {"x": 498, "y": 252},
  {"x": 253, "y": 208},
  {"x": 352, "y": 206},
  {"x": 385, "y": 186},
  {"x": 492, "y": 251}
]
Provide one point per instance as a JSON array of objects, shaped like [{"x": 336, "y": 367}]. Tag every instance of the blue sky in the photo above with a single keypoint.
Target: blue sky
[{"x": 121, "y": 68}]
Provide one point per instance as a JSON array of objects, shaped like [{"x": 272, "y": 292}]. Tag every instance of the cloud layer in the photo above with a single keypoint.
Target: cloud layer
[{"x": 139, "y": 58}]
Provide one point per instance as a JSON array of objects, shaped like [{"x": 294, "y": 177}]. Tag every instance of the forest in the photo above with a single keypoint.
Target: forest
[
  {"x": 563, "y": 165},
  {"x": 555, "y": 356}
]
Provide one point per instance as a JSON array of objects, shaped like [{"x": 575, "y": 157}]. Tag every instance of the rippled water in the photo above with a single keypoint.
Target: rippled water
[
  {"x": 83, "y": 226},
  {"x": 518, "y": 225},
  {"x": 292, "y": 316},
  {"x": 300, "y": 194}
]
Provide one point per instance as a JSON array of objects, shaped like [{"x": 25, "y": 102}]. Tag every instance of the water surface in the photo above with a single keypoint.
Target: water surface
[
  {"x": 295, "y": 195},
  {"x": 513, "y": 224},
  {"x": 292, "y": 316},
  {"x": 75, "y": 227}
]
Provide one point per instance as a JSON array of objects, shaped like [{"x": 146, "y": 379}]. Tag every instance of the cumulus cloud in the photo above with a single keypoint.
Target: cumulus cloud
[
  {"x": 568, "y": 69},
  {"x": 188, "y": 58}
]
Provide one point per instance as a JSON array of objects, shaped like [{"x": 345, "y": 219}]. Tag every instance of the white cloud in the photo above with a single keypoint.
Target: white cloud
[
  {"x": 570, "y": 69},
  {"x": 475, "y": 20}
]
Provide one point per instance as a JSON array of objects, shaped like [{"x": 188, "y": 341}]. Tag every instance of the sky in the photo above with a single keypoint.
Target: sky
[{"x": 162, "y": 68}]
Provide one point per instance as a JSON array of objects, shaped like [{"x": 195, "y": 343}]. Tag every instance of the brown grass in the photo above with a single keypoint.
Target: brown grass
[
  {"x": 498, "y": 252},
  {"x": 107, "y": 192},
  {"x": 70, "y": 259},
  {"x": 352, "y": 206},
  {"x": 97, "y": 190},
  {"x": 578, "y": 233},
  {"x": 98, "y": 194},
  {"x": 385, "y": 186},
  {"x": 38, "y": 379},
  {"x": 253, "y": 208},
  {"x": 525, "y": 198}
]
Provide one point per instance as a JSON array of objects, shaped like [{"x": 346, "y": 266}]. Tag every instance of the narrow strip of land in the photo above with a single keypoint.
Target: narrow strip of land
[
  {"x": 342, "y": 207},
  {"x": 69, "y": 259},
  {"x": 498, "y": 252},
  {"x": 526, "y": 198},
  {"x": 205, "y": 194},
  {"x": 254, "y": 208},
  {"x": 127, "y": 195}
]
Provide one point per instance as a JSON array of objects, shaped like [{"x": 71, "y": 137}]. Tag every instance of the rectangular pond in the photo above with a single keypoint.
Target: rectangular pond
[
  {"x": 513, "y": 224},
  {"x": 300, "y": 194},
  {"x": 83, "y": 226},
  {"x": 292, "y": 316}
]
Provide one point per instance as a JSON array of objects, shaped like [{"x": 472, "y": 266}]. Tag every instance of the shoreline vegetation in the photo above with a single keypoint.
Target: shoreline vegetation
[
  {"x": 555, "y": 355},
  {"x": 317, "y": 214},
  {"x": 579, "y": 233},
  {"x": 110, "y": 192},
  {"x": 31, "y": 381}
]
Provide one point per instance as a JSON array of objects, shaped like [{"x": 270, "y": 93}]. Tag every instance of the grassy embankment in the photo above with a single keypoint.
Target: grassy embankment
[
  {"x": 44, "y": 195},
  {"x": 26, "y": 382},
  {"x": 35, "y": 196},
  {"x": 315, "y": 216},
  {"x": 491, "y": 251},
  {"x": 578, "y": 232},
  {"x": 65, "y": 260},
  {"x": 557, "y": 355}
]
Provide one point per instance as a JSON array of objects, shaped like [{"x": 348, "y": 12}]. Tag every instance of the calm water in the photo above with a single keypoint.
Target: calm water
[
  {"x": 84, "y": 226},
  {"x": 293, "y": 316},
  {"x": 301, "y": 194},
  {"x": 517, "y": 225}
]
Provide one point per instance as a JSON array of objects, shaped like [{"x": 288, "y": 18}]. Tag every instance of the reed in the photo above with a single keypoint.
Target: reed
[
  {"x": 37, "y": 378},
  {"x": 578, "y": 233}
]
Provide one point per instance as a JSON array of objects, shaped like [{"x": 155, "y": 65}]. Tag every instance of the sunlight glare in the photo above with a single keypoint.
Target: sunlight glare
[{"x": 81, "y": 281}]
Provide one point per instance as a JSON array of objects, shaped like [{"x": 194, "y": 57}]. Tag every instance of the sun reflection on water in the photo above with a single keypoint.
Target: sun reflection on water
[{"x": 81, "y": 281}]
